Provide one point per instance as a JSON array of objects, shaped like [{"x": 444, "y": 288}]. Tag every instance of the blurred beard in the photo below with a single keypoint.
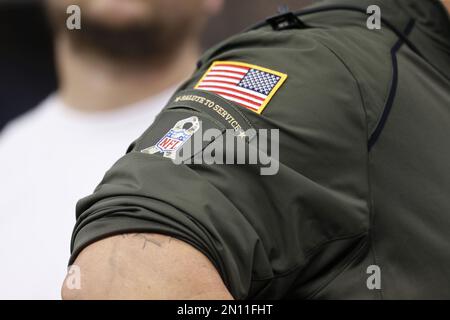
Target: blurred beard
[{"x": 137, "y": 44}]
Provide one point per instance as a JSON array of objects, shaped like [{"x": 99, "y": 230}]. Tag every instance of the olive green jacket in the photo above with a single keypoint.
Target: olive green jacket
[{"x": 360, "y": 205}]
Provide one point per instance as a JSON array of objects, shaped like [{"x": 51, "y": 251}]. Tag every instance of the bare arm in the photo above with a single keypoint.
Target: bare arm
[{"x": 145, "y": 266}]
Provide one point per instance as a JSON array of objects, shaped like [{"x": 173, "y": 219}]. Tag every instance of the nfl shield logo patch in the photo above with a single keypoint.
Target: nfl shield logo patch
[{"x": 175, "y": 138}]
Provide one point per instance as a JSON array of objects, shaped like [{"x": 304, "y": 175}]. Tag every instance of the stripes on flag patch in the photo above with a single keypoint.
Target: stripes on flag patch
[{"x": 248, "y": 85}]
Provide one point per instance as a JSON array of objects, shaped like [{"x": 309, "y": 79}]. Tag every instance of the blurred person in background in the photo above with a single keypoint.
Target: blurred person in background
[{"x": 115, "y": 75}]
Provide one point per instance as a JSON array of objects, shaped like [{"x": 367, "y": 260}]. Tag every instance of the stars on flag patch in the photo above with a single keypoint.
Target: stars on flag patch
[{"x": 248, "y": 85}]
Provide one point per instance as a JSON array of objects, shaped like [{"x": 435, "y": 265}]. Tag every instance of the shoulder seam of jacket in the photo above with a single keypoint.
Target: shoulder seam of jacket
[
  {"x": 393, "y": 89},
  {"x": 355, "y": 78}
]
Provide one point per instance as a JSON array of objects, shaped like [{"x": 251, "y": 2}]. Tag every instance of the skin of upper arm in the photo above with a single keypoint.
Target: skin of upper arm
[{"x": 145, "y": 267}]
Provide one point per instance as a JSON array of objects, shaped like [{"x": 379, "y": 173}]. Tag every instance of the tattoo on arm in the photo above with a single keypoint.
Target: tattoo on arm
[{"x": 148, "y": 239}]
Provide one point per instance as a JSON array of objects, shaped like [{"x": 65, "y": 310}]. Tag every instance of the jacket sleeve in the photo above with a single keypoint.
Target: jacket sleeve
[{"x": 260, "y": 231}]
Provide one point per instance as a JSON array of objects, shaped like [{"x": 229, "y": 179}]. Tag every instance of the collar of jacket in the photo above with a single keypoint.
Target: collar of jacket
[{"x": 431, "y": 33}]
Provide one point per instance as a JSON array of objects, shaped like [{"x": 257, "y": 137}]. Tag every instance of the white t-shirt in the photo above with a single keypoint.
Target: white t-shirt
[{"x": 49, "y": 159}]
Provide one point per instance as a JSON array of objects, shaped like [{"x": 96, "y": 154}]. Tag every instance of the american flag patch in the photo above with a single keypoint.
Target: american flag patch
[{"x": 247, "y": 85}]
